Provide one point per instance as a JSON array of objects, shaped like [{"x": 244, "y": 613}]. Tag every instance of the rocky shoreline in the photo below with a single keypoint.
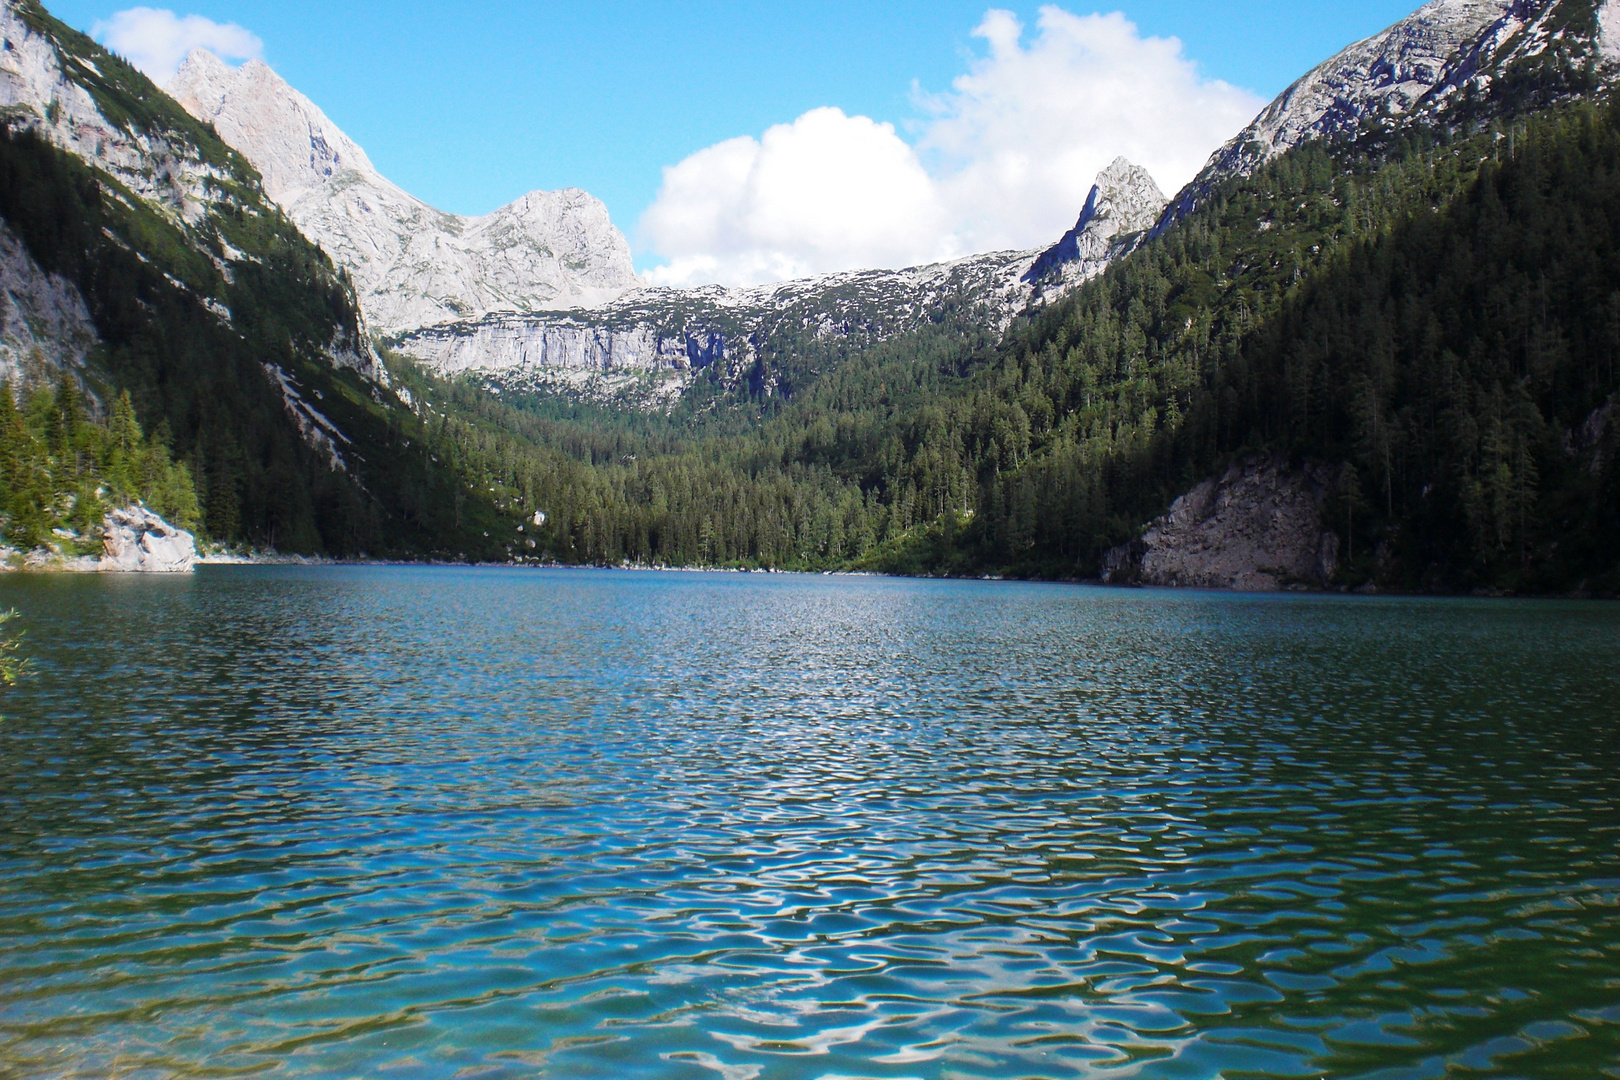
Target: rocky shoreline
[
  {"x": 1256, "y": 528},
  {"x": 133, "y": 540}
]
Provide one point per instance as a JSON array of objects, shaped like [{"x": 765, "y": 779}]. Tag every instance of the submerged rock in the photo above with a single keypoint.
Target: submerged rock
[
  {"x": 1257, "y": 528},
  {"x": 138, "y": 541}
]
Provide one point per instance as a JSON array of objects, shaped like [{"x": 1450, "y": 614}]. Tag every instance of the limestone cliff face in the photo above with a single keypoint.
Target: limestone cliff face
[
  {"x": 1257, "y": 528},
  {"x": 677, "y": 331},
  {"x": 45, "y": 327},
  {"x": 413, "y": 266}
]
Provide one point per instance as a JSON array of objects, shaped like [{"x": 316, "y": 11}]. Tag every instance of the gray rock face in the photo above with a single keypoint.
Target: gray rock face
[
  {"x": 1393, "y": 71},
  {"x": 138, "y": 541},
  {"x": 1257, "y": 528},
  {"x": 675, "y": 331},
  {"x": 413, "y": 266},
  {"x": 1416, "y": 68},
  {"x": 1124, "y": 203},
  {"x": 45, "y": 327}
]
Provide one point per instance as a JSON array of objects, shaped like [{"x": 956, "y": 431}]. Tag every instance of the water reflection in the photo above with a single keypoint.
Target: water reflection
[{"x": 437, "y": 823}]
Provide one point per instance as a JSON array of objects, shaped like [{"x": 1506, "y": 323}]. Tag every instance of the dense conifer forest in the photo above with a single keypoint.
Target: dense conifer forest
[
  {"x": 1431, "y": 312},
  {"x": 61, "y": 469},
  {"x": 1438, "y": 316}
]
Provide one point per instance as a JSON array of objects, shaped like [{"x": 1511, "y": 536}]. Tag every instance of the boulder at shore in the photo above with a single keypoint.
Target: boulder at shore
[
  {"x": 138, "y": 541},
  {"x": 1257, "y": 528}
]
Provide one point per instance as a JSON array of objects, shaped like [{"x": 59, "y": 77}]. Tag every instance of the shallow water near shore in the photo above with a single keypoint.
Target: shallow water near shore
[{"x": 435, "y": 823}]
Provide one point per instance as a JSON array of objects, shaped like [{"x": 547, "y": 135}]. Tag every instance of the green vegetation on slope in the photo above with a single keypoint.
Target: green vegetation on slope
[
  {"x": 158, "y": 286},
  {"x": 1437, "y": 312},
  {"x": 1447, "y": 351},
  {"x": 61, "y": 470}
]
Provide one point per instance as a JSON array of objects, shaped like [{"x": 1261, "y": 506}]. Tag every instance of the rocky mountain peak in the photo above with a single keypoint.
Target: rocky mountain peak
[
  {"x": 294, "y": 145},
  {"x": 413, "y": 266},
  {"x": 1124, "y": 201},
  {"x": 1494, "y": 55}
]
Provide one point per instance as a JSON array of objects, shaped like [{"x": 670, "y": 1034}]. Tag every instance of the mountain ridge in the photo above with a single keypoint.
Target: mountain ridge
[
  {"x": 1447, "y": 57},
  {"x": 675, "y": 333},
  {"x": 413, "y": 265},
  {"x": 430, "y": 284}
]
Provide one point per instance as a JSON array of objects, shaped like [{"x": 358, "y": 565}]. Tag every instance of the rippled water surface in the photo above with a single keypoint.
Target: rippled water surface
[{"x": 478, "y": 823}]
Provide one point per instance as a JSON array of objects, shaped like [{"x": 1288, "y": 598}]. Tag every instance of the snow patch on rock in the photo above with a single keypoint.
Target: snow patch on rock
[{"x": 315, "y": 428}]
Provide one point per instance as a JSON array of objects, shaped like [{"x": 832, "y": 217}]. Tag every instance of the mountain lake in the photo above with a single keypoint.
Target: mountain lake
[{"x": 483, "y": 823}]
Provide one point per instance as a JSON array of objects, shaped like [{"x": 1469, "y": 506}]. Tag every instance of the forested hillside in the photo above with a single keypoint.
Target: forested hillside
[
  {"x": 61, "y": 470},
  {"x": 1445, "y": 325},
  {"x": 1441, "y": 313},
  {"x": 1428, "y": 306},
  {"x": 224, "y": 325}
]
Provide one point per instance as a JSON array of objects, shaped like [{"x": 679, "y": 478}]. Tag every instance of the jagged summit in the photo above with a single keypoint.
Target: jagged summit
[
  {"x": 1124, "y": 201},
  {"x": 1389, "y": 72},
  {"x": 413, "y": 265},
  {"x": 1493, "y": 56},
  {"x": 296, "y": 147}
]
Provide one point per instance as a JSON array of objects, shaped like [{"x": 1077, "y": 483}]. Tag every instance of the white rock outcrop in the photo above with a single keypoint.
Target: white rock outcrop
[
  {"x": 1256, "y": 528},
  {"x": 138, "y": 541},
  {"x": 1124, "y": 204},
  {"x": 413, "y": 266}
]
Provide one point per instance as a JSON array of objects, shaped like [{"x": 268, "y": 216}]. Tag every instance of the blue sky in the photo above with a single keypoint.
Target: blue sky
[{"x": 469, "y": 105}]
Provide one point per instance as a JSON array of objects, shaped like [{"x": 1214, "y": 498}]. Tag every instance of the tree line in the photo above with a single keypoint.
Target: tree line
[{"x": 1436, "y": 314}]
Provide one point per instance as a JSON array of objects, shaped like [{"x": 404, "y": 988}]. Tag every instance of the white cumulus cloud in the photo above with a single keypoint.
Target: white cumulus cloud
[
  {"x": 158, "y": 41},
  {"x": 1020, "y": 137},
  {"x": 825, "y": 192},
  {"x": 1003, "y": 159}
]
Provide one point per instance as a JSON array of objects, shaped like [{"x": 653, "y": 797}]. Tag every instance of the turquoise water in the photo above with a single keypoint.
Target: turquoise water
[{"x": 436, "y": 823}]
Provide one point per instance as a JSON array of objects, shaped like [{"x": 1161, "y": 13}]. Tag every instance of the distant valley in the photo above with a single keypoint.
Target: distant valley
[{"x": 1371, "y": 344}]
